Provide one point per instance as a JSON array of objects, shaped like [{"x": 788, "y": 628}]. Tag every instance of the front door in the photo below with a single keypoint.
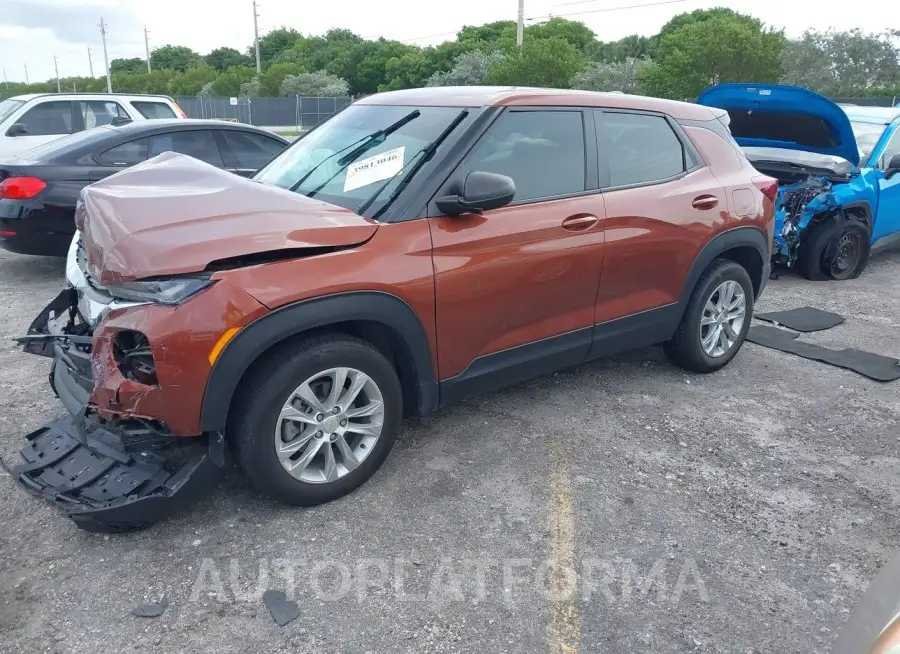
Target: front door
[
  {"x": 887, "y": 215},
  {"x": 515, "y": 286}
]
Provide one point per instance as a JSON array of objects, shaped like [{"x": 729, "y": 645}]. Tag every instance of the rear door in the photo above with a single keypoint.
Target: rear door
[
  {"x": 246, "y": 152},
  {"x": 662, "y": 205},
  {"x": 515, "y": 286},
  {"x": 887, "y": 216}
]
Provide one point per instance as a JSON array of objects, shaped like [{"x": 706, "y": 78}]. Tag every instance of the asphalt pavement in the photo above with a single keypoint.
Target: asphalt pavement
[{"x": 624, "y": 506}]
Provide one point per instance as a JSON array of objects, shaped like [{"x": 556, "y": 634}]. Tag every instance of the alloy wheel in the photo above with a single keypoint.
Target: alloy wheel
[
  {"x": 723, "y": 319},
  {"x": 329, "y": 425}
]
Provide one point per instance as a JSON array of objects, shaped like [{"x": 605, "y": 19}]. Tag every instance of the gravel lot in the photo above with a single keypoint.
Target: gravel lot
[{"x": 743, "y": 512}]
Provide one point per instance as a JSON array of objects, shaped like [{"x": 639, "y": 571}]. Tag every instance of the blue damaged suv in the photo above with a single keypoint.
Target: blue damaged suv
[{"x": 837, "y": 167}]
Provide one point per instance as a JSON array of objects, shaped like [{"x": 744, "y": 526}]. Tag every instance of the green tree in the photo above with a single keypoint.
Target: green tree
[
  {"x": 221, "y": 59},
  {"x": 614, "y": 76},
  {"x": 228, "y": 84},
  {"x": 314, "y": 85},
  {"x": 469, "y": 69},
  {"x": 701, "y": 15},
  {"x": 271, "y": 78},
  {"x": 847, "y": 64},
  {"x": 154, "y": 82},
  {"x": 578, "y": 34},
  {"x": 369, "y": 63},
  {"x": 630, "y": 47},
  {"x": 273, "y": 44},
  {"x": 192, "y": 81},
  {"x": 548, "y": 63},
  {"x": 174, "y": 57},
  {"x": 135, "y": 65},
  {"x": 724, "y": 48},
  {"x": 499, "y": 35}
]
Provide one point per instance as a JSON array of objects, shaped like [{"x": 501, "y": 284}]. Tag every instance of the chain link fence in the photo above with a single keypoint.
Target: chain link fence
[{"x": 299, "y": 112}]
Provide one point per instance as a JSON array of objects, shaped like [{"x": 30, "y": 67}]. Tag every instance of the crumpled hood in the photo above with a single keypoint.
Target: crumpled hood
[
  {"x": 174, "y": 214},
  {"x": 786, "y": 117}
]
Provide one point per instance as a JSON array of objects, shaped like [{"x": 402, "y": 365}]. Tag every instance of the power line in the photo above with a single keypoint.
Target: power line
[{"x": 607, "y": 9}]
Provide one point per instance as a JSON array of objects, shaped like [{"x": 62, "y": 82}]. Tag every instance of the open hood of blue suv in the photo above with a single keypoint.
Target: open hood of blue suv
[{"x": 786, "y": 117}]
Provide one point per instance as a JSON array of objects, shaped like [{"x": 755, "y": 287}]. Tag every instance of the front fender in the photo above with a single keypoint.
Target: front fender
[{"x": 294, "y": 319}]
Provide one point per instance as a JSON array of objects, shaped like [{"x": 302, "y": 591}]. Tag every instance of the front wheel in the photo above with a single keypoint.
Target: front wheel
[
  {"x": 316, "y": 419},
  {"x": 716, "y": 320},
  {"x": 831, "y": 254}
]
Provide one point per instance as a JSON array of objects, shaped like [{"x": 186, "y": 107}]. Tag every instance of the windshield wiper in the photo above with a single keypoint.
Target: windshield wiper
[
  {"x": 363, "y": 144},
  {"x": 419, "y": 158}
]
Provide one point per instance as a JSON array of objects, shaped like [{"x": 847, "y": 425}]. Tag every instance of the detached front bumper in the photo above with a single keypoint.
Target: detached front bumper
[{"x": 107, "y": 475}]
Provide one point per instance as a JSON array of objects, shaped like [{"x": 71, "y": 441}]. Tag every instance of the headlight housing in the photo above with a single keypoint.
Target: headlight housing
[{"x": 174, "y": 290}]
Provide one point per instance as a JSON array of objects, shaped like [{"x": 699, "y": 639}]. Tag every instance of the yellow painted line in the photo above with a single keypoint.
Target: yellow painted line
[{"x": 565, "y": 619}]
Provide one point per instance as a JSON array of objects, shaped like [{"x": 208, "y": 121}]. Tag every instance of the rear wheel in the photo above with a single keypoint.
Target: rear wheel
[
  {"x": 316, "y": 419},
  {"x": 829, "y": 253},
  {"x": 716, "y": 320}
]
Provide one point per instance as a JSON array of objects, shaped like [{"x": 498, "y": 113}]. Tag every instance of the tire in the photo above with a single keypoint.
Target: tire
[
  {"x": 264, "y": 396},
  {"x": 823, "y": 253},
  {"x": 686, "y": 348}
]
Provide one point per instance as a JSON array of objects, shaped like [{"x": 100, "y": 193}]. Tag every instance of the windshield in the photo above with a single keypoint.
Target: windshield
[
  {"x": 347, "y": 173},
  {"x": 867, "y": 137},
  {"x": 9, "y": 106}
]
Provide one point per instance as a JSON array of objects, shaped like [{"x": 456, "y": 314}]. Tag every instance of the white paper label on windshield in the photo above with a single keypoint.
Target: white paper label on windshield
[{"x": 374, "y": 169}]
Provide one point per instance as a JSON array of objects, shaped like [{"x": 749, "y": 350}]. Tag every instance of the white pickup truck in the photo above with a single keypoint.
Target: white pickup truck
[{"x": 27, "y": 121}]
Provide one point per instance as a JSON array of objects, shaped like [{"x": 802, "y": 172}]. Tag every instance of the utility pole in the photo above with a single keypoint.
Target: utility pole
[
  {"x": 5, "y": 81},
  {"x": 105, "y": 57},
  {"x": 90, "y": 61},
  {"x": 256, "y": 37},
  {"x": 26, "y": 73},
  {"x": 147, "y": 46},
  {"x": 56, "y": 68},
  {"x": 520, "y": 25}
]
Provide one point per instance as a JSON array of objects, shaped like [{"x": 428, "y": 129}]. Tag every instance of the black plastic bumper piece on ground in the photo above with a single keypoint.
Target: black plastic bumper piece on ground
[{"x": 84, "y": 470}]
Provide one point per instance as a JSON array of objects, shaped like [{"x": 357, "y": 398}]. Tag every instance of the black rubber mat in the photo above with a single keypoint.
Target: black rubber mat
[
  {"x": 804, "y": 319},
  {"x": 873, "y": 366}
]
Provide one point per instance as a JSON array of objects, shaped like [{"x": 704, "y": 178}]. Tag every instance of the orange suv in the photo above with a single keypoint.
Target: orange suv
[{"x": 418, "y": 247}]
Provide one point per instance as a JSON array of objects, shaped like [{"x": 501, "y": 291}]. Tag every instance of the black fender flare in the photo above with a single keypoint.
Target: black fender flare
[
  {"x": 866, "y": 211},
  {"x": 733, "y": 238},
  {"x": 297, "y": 318}
]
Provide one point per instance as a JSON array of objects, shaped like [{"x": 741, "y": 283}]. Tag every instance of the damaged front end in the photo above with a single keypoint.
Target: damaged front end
[
  {"x": 107, "y": 474},
  {"x": 800, "y": 203}
]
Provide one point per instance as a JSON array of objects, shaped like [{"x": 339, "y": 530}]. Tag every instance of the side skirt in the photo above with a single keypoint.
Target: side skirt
[{"x": 518, "y": 364}]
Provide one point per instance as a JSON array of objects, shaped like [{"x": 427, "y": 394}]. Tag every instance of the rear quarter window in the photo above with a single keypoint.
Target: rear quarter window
[{"x": 153, "y": 110}]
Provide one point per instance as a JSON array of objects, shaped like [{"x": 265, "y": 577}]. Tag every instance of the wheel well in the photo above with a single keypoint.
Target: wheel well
[
  {"x": 747, "y": 257},
  {"x": 380, "y": 336}
]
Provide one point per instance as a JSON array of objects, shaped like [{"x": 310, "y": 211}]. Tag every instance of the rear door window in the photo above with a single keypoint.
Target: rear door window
[
  {"x": 200, "y": 144},
  {"x": 100, "y": 112},
  {"x": 126, "y": 154},
  {"x": 153, "y": 110},
  {"x": 48, "y": 118},
  {"x": 542, "y": 151},
  {"x": 251, "y": 151},
  {"x": 639, "y": 148}
]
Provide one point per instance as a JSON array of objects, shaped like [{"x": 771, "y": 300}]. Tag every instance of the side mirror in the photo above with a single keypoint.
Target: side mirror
[
  {"x": 17, "y": 130},
  {"x": 893, "y": 167},
  {"x": 481, "y": 192}
]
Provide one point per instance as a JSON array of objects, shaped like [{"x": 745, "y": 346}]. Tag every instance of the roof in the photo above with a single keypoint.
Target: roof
[
  {"x": 878, "y": 115},
  {"x": 493, "y": 96},
  {"x": 184, "y": 123},
  {"x": 66, "y": 96}
]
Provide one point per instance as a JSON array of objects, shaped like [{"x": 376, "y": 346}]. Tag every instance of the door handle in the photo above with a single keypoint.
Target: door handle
[
  {"x": 705, "y": 202},
  {"x": 579, "y": 222}
]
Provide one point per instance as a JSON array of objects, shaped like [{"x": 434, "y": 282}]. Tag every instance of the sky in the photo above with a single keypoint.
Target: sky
[{"x": 32, "y": 32}]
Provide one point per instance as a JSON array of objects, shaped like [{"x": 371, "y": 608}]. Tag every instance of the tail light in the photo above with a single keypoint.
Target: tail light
[
  {"x": 21, "y": 188},
  {"x": 179, "y": 109},
  {"x": 768, "y": 186}
]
